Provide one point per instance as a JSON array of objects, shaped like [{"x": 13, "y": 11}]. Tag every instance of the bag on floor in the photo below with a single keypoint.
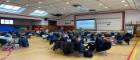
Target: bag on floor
[
  {"x": 88, "y": 54},
  {"x": 23, "y": 42}
]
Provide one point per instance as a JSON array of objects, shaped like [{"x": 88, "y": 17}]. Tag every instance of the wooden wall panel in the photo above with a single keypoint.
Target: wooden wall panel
[{"x": 67, "y": 28}]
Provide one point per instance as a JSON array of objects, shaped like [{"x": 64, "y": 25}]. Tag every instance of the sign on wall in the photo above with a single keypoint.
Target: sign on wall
[{"x": 130, "y": 29}]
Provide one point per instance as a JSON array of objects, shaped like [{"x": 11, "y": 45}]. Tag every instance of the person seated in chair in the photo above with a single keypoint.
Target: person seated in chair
[
  {"x": 23, "y": 42},
  {"x": 3, "y": 42},
  {"x": 127, "y": 37},
  {"x": 101, "y": 44},
  {"x": 119, "y": 38}
]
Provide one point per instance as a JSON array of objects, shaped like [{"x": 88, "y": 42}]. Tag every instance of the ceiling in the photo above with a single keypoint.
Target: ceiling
[{"x": 65, "y": 6}]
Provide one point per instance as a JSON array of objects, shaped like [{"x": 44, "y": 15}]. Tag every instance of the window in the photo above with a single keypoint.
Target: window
[
  {"x": 6, "y": 21},
  {"x": 2, "y": 21},
  {"x": 11, "y": 22},
  {"x": 39, "y": 13},
  {"x": 11, "y": 9}
]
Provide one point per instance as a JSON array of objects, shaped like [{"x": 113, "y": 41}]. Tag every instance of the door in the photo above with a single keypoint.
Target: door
[{"x": 138, "y": 30}]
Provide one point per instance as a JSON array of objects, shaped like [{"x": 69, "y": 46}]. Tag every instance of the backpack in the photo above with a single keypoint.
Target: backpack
[{"x": 88, "y": 54}]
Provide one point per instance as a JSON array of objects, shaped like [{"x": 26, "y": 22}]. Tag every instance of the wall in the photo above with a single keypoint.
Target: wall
[
  {"x": 28, "y": 22},
  {"x": 113, "y": 19},
  {"x": 37, "y": 25},
  {"x": 22, "y": 22},
  {"x": 101, "y": 16},
  {"x": 132, "y": 16},
  {"x": 66, "y": 21},
  {"x": 19, "y": 16},
  {"x": 42, "y": 22},
  {"x": 108, "y": 21},
  {"x": 109, "y": 24}
]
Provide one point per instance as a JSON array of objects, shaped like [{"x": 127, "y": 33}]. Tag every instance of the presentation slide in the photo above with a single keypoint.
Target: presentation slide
[{"x": 86, "y": 24}]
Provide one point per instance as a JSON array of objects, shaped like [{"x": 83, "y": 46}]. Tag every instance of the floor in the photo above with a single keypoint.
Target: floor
[
  {"x": 136, "y": 53},
  {"x": 41, "y": 50}
]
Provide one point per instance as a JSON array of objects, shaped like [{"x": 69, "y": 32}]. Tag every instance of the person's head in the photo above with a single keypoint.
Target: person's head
[{"x": 99, "y": 35}]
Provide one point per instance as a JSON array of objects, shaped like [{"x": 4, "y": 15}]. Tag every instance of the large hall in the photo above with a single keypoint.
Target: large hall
[{"x": 69, "y": 29}]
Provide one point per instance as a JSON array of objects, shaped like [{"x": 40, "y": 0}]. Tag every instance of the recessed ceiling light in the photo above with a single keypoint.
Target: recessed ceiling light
[
  {"x": 67, "y": 2},
  {"x": 100, "y": 4},
  {"x": 61, "y": 12},
  {"x": 106, "y": 7},
  {"x": 39, "y": 2},
  {"x": 123, "y": 1},
  {"x": 39, "y": 7},
  {"x": 125, "y": 4},
  {"x": 26, "y": 5},
  {"x": 87, "y": 9},
  {"x": 7, "y": 1}
]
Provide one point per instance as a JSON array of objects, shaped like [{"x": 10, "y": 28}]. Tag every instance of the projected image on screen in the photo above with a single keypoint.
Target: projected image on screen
[{"x": 86, "y": 24}]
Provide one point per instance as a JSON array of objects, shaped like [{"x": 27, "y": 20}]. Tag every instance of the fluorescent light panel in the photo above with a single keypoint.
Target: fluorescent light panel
[
  {"x": 11, "y": 9},
  {"x": 39, "y": 13}
]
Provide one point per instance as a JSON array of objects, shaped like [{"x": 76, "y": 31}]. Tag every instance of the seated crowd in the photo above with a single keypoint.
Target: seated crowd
[
  {"x": 12, "y": 40},
  {"x": 84, "y": 42}
]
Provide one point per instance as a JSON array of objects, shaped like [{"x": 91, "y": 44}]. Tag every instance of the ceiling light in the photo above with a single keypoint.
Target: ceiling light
[
  {"x": 7, "y": 1},
  {"x": 87, "y": 9},
  {"x": 26, "y": 5},
  {"x": 126, "y": 5},
  {"x": 39, "y": 7},
  {"x": 67, "y": 2},
  {"x": 106, "y": 7},
  {"x": 38, "y": 13},
  {"x": 100, "y": 4},
  {"x": 39, "y": 2},
  {"x": 61, "y": 12},
  {"x": 123, "y": 1},
  {"x": 11, "y": 8}
]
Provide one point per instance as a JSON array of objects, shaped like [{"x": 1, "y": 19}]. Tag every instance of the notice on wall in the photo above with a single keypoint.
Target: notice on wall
[{"x": 130, "y": 29}]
